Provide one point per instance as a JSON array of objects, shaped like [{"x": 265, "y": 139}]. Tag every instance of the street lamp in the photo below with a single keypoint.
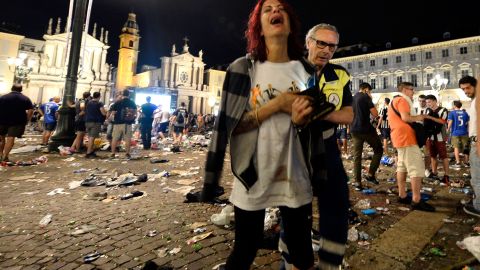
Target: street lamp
[
  {"x": 438, "y": 83},
  {"x": 21, "y": 67}
]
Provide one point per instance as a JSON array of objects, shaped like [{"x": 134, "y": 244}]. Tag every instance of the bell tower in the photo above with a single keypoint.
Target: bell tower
[{"x": 128, "y": 53}]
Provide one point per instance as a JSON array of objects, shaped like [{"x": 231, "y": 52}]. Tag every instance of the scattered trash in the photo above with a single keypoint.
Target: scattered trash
[
  {"x": 446, "y": 220},
  {"x": 391, "y": 180},
  {"x": 152, "y": 233},
  {"x": 64, "y": 151},
  {"x": 82, "y": 170},
  {"x": 363, "y": 236},
  {"x": 74, "y": 184},
  {"x": 196, "y": 247},
  {"x": 45, "y": 220},
  {"x": 135, "y": 193},
  {"x": 363, "y": 204},
  {"x": 224, "y": 217},
  {"x": 158, "y": 160},
  {"x": 197, "y": 225},
  {"x": 352, "y": 234},
  {"x": 30, "y": 192},
  {"x": 26, "y": 149},
  {"x": 175, "y": 251},
  {"x": 70, "y": 159},
  {"x": 57, "y": 191},
  {"x": 199, "y": 230},
  {"x": 387, "y": 161},
  {"x": 428, "y": 189},
  {"x": 84, "y": 229},
  {"x": 368, "y": 191},
  {"x": 91, "y": 257},
  {"x": 199, "y": 237},
  {"x": 23, "y": 177},
  {"x": 272, "y": 217},
  {"x": 162, "y": 252},
  {"x": 363, "y": 243},
  {"x": 369, "y": 212},
  {"x": 437, "y": 252},
  {"x": 401, "y": 208},
  {"x": 142, "y": 178}
]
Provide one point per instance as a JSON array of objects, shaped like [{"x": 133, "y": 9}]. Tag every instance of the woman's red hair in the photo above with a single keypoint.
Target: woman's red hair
[{"x": 256, "y": 42}]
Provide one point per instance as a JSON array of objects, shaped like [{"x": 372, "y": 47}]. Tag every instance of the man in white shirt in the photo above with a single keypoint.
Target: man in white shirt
[{"x": 468, "y": 85}]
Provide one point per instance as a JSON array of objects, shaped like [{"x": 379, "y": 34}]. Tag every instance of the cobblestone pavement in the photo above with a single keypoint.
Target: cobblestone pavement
[
  {"x": 122, "y": 230},
  {"x": 120, "y": 226}
]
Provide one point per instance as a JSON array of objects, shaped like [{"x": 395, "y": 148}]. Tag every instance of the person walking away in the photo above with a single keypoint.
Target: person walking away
[
  {"x": 80, "y": 122},
  {"x": 124, "y": 115},
  {"x": 95, "y": 114},
  {"x": 179, "y": 123},
  {"x": 383, "y": 125},
  {"x": 458, "y": 120},
  {"x": 16, "y": 110},
  {"x": 49, "y": 112},
  {"x": 470, "y": 87},
  {"x": 146, "y": 121},
  {"x": 362, "y": 131},
  {"x": 266, "y": 154},
  {"x": 409, "y": 160}
]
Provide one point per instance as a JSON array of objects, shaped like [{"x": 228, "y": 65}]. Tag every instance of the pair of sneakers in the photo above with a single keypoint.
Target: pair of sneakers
[{"x": 421, "y": 205}]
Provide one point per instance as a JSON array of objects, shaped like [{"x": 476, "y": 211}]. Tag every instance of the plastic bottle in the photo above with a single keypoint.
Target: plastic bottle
[
  {"x": 45, "y": 220},
  {"x": 368, "y": 191},
  {"x": 369, "y": 212}
]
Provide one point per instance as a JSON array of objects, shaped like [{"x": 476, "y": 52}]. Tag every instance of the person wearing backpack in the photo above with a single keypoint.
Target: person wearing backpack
[
  {"x": 409, "y": 159},
  {"x": 124, "y": 115},
  {"x": 436, "y": 142},
  {"x": 179, "y": 123}
]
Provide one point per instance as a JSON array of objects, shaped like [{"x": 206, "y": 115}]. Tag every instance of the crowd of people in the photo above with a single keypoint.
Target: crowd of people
[{"x": 286, "y": 119}]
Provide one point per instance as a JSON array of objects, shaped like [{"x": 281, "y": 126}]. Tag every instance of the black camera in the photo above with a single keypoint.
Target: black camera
[{"x": 321, "y": 107}]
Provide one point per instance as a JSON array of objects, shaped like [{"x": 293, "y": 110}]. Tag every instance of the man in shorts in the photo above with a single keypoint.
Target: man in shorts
[
  {"x": 94, "y": 117},
  {"x": 124, "y": 114},
  {"x": 410, "y": 159},
  {"x": 19, "y": 110}
]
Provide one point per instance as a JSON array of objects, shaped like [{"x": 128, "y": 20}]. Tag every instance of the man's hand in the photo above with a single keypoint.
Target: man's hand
[
  {"x": 284, "y": 101},
  {"x": 301, "y": 110}
]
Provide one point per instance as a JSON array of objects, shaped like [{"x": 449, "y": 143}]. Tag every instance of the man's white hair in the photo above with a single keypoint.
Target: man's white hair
[{"x": 317, "y": 27}]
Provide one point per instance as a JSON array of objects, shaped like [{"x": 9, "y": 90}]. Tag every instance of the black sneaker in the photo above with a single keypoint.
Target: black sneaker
[
  {"x": 91, "y": 155},
  {"x": 422, "y": 206},
  {"x": 406, "y": 200},
  {"x": 469, "y": 209},
  {"x": 433, "y": 176},
  {"x": 371, "y": 179}
]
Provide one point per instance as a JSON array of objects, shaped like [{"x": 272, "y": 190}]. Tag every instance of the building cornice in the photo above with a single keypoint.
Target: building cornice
[{"x": 407, "y": 50}]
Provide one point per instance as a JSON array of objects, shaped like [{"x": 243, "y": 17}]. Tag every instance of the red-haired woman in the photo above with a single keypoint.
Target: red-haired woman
[{"x": 266, "y": 154}]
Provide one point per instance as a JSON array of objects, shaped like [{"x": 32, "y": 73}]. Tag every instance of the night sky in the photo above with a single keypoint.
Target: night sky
[{"x": 217, "y": 26}]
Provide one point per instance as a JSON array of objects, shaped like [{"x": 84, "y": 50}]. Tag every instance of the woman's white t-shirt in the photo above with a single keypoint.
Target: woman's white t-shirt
[{"x": 283, "y": 178}]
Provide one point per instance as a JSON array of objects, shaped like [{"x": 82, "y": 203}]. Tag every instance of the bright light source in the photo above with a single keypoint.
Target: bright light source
[
  {"x": 10, "y": 61},
  {"x": 212, "y": 101},
  {"x": 22, "y": 56},
  {"x": 159, "y": 100}
]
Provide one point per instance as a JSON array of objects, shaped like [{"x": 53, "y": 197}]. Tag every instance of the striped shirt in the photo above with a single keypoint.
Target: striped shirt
[{"x": 383, "y": 116}]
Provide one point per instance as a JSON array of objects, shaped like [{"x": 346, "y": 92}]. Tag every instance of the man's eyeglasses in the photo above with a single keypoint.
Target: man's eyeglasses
[{"x": 322, "y": 44}]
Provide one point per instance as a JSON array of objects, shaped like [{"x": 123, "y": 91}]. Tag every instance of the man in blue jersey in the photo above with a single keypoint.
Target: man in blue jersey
[
  {"x": 458, "y": 126},
  {"x": 49, "y": 111}
]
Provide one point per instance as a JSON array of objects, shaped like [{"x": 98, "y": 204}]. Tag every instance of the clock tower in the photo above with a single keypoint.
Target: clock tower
[{"x": 128, "y": 53}]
